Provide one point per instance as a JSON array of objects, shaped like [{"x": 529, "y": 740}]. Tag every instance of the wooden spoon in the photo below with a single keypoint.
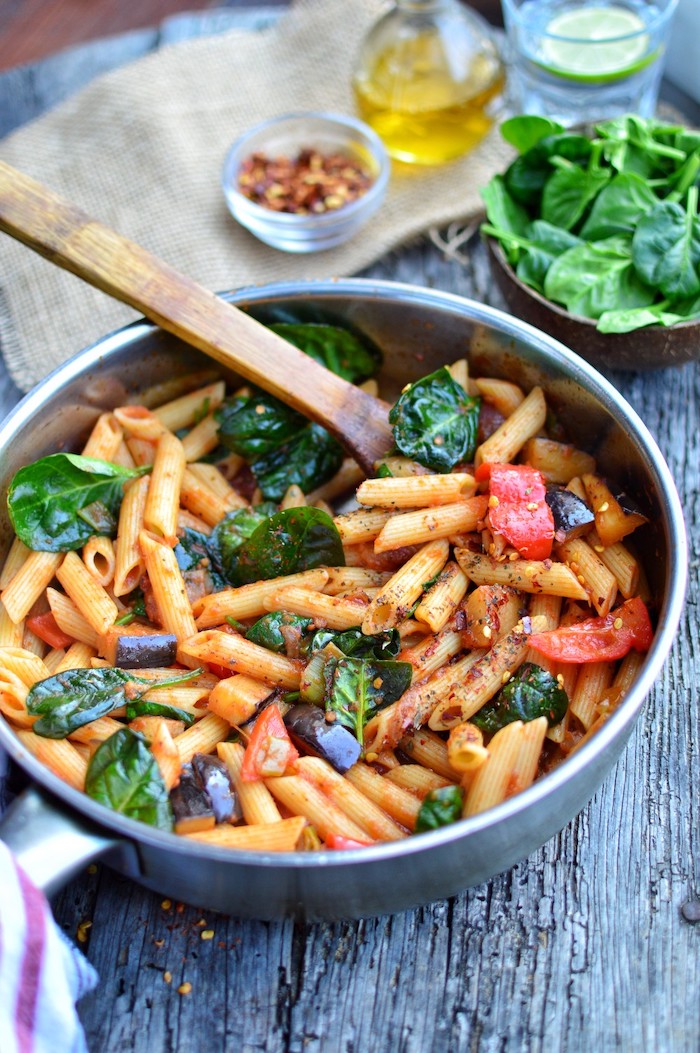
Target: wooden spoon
[{"x": 68, "y": 237}]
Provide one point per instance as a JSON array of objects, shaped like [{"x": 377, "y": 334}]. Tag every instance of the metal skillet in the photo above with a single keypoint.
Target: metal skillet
[{"x": 55, "y": 829}]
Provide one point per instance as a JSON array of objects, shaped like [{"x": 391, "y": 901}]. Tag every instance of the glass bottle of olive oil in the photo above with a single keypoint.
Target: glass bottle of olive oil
[{"x": 427, "y": 80}]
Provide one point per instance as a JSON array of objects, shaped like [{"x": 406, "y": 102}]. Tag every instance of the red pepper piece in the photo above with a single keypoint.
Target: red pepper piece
[
  {"x": 338, "y": 842},
  {"x": 599, "y": 639},
  {"x": 517, "y": 508},
  {"x": 46, "y": 628},
  {"x": 222, "y": 671},
  {"x": 270, "y": 750}
]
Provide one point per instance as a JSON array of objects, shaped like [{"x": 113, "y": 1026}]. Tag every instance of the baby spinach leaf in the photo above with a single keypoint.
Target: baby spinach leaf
[
  {"x": 618, "y": 207},
  {"x": 292, "y": 540},
  {"x": 435, "y": 422},
  {"x": 46, "y": 499},
  {"x": 504, "y": 212},
  {"x": 357, "y": 688},
  {"x": 68, "y": 700},
  {"x": 569, "y": 192},
  {"x": 273, "y": 630},
  {"x": 658, "y": 314},
  {"x": 337, "y": 349},
  {"x": 546, "y": 243},
  {"x": 193, "y": 552},
  {"x": 142, "y": 707},
  {"x": 123, "y": 775},
  {"x": 526, "y": 176},
  {"x": 525, "y": 131},
  {"x": 310, "y": 458},
  {"x": 597, "y": 276},
  {"x": 231, "y": 533},
  {"x": 440, "y": 807},
  {"x": 666, "y": 247},
  {"x": 256, "y": 424},
  {"x": 531, "y": 692},
  {"x": 355, "y": 644}
]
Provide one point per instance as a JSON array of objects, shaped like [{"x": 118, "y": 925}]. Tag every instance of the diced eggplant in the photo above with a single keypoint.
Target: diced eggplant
[
  {"x": 215, "y": 780},
  {"x": 192, "y": 807},
  {"x": 145, "y": 652},
  {"x": 572, "y": 516},
  {"x": 628, "y": 505},
  {"x": 309, "y": 729}
]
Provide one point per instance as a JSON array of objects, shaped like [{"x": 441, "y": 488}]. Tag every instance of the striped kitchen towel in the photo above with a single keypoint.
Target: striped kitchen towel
[{"x": 42, "y": 974}]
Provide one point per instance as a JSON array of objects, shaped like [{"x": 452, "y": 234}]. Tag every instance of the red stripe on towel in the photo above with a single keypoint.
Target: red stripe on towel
[{"x": 32, "y": 962}]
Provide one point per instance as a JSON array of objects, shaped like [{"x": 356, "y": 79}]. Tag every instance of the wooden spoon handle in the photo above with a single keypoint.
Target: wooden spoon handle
[{"x": 68, "y": 237}]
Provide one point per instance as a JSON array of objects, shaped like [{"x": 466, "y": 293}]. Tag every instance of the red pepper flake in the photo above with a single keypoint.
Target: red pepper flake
[{"x": 312, "y": 182}]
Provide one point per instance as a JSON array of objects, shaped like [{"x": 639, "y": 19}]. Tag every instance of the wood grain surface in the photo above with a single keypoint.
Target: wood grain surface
[{"x": 584, "y": 946}]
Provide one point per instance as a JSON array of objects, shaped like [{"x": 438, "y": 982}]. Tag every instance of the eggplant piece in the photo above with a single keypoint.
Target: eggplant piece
[
  {"x": 309, "y": 729},
  {"x": 154, "y": 651},
  {"x": 212, "y": 775},
  {"x": 192, "y": 807},
  {"x": 572, "y": 516}
]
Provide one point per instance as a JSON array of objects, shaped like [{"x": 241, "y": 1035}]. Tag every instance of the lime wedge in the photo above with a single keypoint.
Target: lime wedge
[{"x": 596, "y": 44}]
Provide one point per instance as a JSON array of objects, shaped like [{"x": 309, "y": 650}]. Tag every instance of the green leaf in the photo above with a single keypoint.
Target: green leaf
[
  {"x": 355, "y": 644},
  {"x": 531, "y": 692},
  {"x": 46, "y": 499},
  {"x": 547, "y": 243},
  {"x": 526, "y": 130},
  {"x": 337, "y": 349},
  {"x": 357, "y": 688},
  {"x": 123, "y": 775},
  {"x": 231, "y": 533},
  {"x": 275, "y": 630},
  {"x": 68, "y": 700},
  {"x": 666, "y": 248},
  {"x": 618, "y": 207},
  {"x": 569, "y": 192},
  {"x": 254, "y": 425},
  {"x": 292, "y": 540},
  {"x": 526, "y": 176},
  {"x": 440, "y": 807},
  {"x": 309, "y": 459},
  {"x": 435, "y": 422},
  {"x": 597, "y": 276},
  {"x": 142, "y": 707},
  {"x": 504, "y": 212}
]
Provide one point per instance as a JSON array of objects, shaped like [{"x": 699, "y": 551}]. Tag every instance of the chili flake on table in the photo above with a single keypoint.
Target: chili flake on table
[{"x": 310, "y": 182}]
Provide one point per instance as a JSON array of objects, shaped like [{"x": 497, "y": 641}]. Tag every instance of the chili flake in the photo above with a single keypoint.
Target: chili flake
[{"x": 312, "y": 182}]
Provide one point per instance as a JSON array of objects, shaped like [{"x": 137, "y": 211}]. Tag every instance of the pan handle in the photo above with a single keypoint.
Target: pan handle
[{"x": 51, "y": 844}]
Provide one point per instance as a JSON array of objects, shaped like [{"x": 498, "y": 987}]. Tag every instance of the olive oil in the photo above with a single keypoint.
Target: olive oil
[{"x": 427, "y": 81}]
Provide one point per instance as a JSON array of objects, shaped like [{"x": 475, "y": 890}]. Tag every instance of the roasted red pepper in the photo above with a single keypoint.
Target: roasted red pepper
[
  {"x": 517, "y": 508},
  {"x": 599, "y": 639},
  {"x": 270, "y": 750},
  {"x": 46, "y": 628},
  {"x": 338, "y": 841}
]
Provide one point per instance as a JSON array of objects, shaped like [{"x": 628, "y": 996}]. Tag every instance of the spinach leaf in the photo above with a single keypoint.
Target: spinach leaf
[
  {"x": 569, "y": 192},
  {"x": 525, "y": 131},
  {"x": 504, "y": 212},
  {"x": 231, "y": 533},
  {"x": 440, "y": 807},
  {"x": 526, "y": 176},
  {"x": 618, "y": 207},
  {"x": 46, "y": 499},
  {"x": 355, "y": 644},
  {"x": 435, "y": 422},
  {"x": 273, "y": 631},
  {"x": 658, "y": 314},
  {"x": 666, "y": 247},
  {"x": 123, "y": 775},
  {"x": 68, "y": 700},
  {"x": 546, "y": 243},
  {"x": 310, "y": 458},
  {"x": 337, "y": 349},
  {"x": 597, "y": 276},
  {"x": 282, "y": 446},
  {"x": 142, "y": 707},
  {"x": 193, "y": 552},
  {"x": 531, "y": 692},
  {"x": 357, "y": 688},
  {"x": 292, "y": 540}
]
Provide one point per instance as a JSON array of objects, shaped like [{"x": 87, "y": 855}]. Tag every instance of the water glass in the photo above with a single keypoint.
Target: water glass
[{"x": 578, "y": 62}]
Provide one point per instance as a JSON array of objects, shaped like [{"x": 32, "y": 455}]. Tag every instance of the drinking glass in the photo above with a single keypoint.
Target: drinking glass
[{"x": 578, "y": 62}]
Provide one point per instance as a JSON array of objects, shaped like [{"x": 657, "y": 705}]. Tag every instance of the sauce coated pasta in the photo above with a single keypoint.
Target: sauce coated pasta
[{"x": 193, "y": 637}]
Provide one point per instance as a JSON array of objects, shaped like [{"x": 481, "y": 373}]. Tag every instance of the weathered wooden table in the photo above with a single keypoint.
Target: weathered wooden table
[{"x": 587, "y": 945}]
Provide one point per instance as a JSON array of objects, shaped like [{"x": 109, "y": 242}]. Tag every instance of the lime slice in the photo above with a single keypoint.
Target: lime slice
[{"x": 596, "y": 44}]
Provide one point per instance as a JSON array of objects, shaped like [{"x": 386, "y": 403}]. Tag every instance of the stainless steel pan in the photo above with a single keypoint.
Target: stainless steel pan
[{"x": 55, "y": 829}]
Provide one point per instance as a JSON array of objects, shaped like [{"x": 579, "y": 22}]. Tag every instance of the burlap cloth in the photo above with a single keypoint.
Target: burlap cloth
[{"x": 142, "y": 148}]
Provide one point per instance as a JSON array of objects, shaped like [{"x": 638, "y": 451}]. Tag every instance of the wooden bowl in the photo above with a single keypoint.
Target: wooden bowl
[{"x": 654, "y": 347}]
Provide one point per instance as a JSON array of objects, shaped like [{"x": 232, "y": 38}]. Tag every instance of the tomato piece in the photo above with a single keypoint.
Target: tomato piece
[
  {"x": 599, "y": 639},
  {"x": 270, "y": 750},
  {"x": 338, "y": 842},
  {"x": 518, "y": 509},
  {"x": 47, "y": 629},
  {"x": 222, "y": 671}
]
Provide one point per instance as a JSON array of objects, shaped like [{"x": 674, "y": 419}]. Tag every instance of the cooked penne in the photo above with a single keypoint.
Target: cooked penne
[
  {"x": 364, "y": 524},
  {"x": 16, "y": 556},
  {"x": 243, "y": 656},
  {"x": 404, "y": 587},
  {"x": 30, "y": 581},
  {"x": 394, "y": 800},
  {"x": 210, "y": 476},
  {"x": 128, "y": 561},
  {"x": 465, "y": 748},
  {"x": 337, "y": 612},
  {"x": 442, "y": 599},
  {"x": 202, "y": 439},
  {"x": 105, "y": 438},
  {"x": 599, "y": 583},
  {"x": 100, "y": 560},
  {"x": 249, "y": 601},
  {"x": 415, "y": 528},
  {"x": 620, "y": 562},
  {"x": 94, "y": 603},
  {"x": 346, "y": 478},
  {"x": 525, "y": 575},
  {"x": 489, "y": 611},
  {"x": 360, "y": 809},
  {"x": 163, "y": 497},
  {"x": 416, "y": 491},
  {"x": 139, "y": 423},
  {"x": 202, "y": 737},
  {"x": 559, "y": 462},
  {"x": 415, "y": 779},
  {"x": 70, "y": 620},
  {"x": 304, "y": 798},
  {"x": 282, "y": 836},
  {"x": 189, "y": 409},
  {"x": 503, "y": 396},
  {"x": 257, "y": 803},
  {"x": 59, "y": 756},
  {"x": 492, "y": 781},
  {"x": 168, "y": 587},
  {"x": 523, "y": 423}
]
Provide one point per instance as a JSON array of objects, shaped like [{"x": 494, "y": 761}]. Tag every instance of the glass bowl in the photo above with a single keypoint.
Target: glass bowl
[{"x": 286, "y": 136}]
